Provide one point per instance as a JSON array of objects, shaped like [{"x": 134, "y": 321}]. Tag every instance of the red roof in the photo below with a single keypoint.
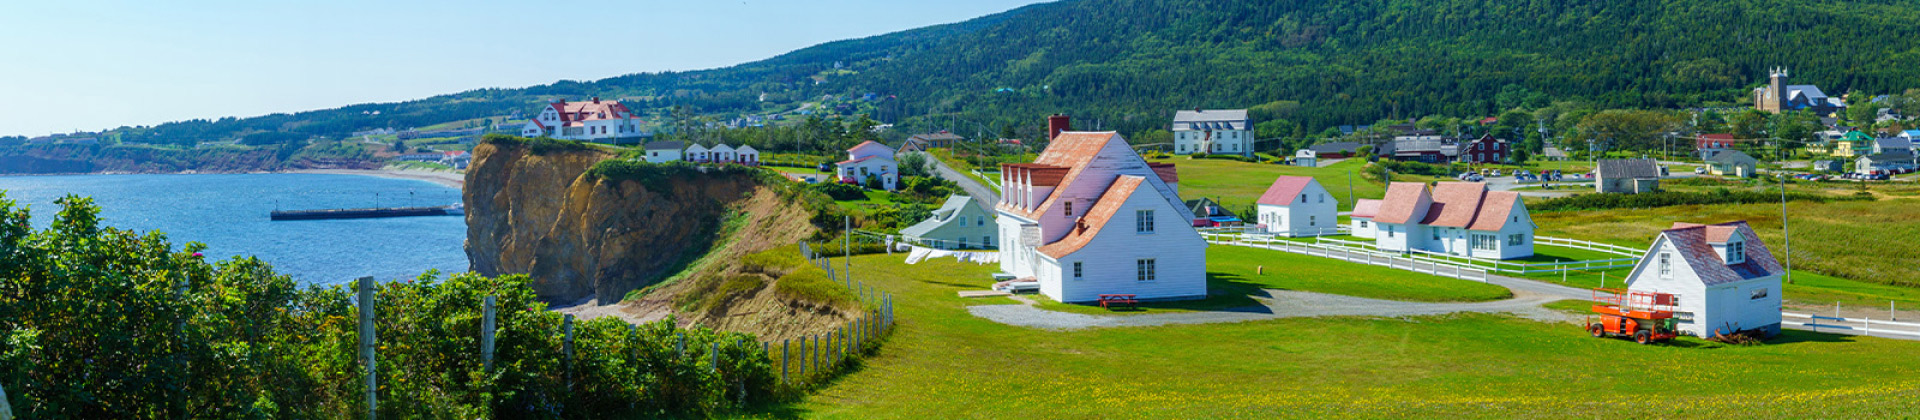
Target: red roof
[
  {"x": 1089, "y": 226},
  {"x": 1284, "y": 190},
  {"x": 1072, "y": 150},
  {"x": 1495, "y": 211},
  {"x": 574, "y": 112},
  {"x": 1695, "y": 246},
  {"x": 1166, "y": 171},
  {"x": 1366, "y": 208},
  {"x": 864, "y": 144},
  {"x": 1455, "y": 204},
  {"x": 1402, "y": 200},
  {"x": 849, "y": 162}
]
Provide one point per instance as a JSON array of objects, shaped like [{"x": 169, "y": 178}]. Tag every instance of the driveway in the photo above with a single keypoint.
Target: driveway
[{"x": 982, "y": 195}]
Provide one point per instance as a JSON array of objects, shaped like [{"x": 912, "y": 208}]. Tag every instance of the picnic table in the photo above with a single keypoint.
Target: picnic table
[{"x": 1118, "y": 299}]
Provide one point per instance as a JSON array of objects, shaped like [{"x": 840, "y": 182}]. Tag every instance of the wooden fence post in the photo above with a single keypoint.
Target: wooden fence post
[
  {"x": 680, "y": 346},
  {"x": 486, "y": 334},
  {"x": 566, "y": 346},
  {"x": 713, "y": 353},
  {"x": 783, "y": 360},
  {"x": 365, "y": 286}
]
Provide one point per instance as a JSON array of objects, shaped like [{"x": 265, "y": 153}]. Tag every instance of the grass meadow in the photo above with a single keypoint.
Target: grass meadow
[{"x": 943, "y": 362}]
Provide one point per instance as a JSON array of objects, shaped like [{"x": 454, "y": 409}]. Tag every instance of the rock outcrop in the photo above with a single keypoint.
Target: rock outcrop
[{"x": 581, "y": 236}]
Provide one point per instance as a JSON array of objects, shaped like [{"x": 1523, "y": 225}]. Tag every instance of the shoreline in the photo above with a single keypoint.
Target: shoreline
[{"x": 455, "y": 180}]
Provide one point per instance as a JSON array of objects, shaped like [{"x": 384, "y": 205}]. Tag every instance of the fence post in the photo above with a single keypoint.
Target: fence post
[
  {"x": 486, "y": 334},
  {"x": 815, "y": 350},
  {"x": 365, "y": 286},
  {"x": 783, "y": 360},
  {"x": 713, "y": 354},
  {"x": 566, "y": 346},
  {"x": 680, "y": 344}
]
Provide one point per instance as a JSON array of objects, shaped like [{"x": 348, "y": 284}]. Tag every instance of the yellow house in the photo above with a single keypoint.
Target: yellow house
[{"x": 1855, "y": 143}]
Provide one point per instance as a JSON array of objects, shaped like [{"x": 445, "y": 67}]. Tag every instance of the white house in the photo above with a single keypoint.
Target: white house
[
  {"x": 1362, "y": 218},
  {"x": 1306, "y": 157},
  {"x": 746, "y": 155},
  {"x": 1298, "y": 206},
  {"x": 698, "y": 153},
  {"x": 1724, "y": 279},
  {"x": 1456, "y": 218},
  {"x": 720, "y": 153},
  {"x": 663, "y": 151},
  {"x": 1090, "y": 217},
  {"x": 957, "y": 224},
  {"x": 869, "y": 159},
  {"x": 594, "y": 120},
  {"x": 1212, "y": 131}
]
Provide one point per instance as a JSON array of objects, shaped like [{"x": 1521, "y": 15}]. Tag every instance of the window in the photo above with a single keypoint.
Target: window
[
  {"x": 1666, "y": 265},
  {"x": 1390, "y": 231},
  {"x": 1079, "y": 272},
  {"x": 1143, "y": 269},
  {"x": 979, "y": 220},
  {"x": 1436, "y": 234},
  {"x": 1516, "y": 239},
  {"x": 1143, "y": 221},
  {"x": 963, "y": 221},
  {"x": 1760, "y": 293},
  {"x": 986, "y": 241},
  {"x": 1303, "y": 198},
  {"x": 1363, "y": 224},
  {"x": 1736, "y": 252},
  {"x": 1068, "y": 207},
  {"x": 1485, "y": 242},
  {"x": 1313, "y": 221},
  {"x": 963, "y": 242},
  {"x": 1323, "y": 198}
]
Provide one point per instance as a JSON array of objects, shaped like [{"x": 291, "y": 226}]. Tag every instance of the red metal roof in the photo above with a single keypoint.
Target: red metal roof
[
  {"x": 1166, "y": 171},
  {"x": 1455, "y": 204},
  {"x": 1692, "y": 241},
  {"x": 1090, "y": 225},
  {"x": 1284, "y": 190},
  {"x": 1401, "y": 202},
  {"x": 1366, "y": 208}
]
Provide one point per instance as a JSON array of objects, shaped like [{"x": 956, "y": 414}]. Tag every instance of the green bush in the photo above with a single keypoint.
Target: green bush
[
  {"x": 839, "y": 191},
  {"x": 810, "y": 284},
  {"x": 539, "y": 145},
  {"x": 104, "y": 323}
]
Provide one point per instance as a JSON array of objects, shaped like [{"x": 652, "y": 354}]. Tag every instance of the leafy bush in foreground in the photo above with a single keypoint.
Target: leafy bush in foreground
[{"x": 97, "y": 322}]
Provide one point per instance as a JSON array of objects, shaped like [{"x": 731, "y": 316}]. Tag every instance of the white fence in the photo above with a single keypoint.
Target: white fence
[
  {"x": 1854, "y": 326},
  {"x": 1412, "y": 263},
  {"x": 1252, "y": 234},
  {"x": 1588, "y": 245}
]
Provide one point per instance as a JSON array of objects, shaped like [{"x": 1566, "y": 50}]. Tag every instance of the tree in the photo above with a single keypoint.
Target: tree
[
  {"x": 398, "y": 146},
  {"x": 1620, "y": 129},
  {"x": 1520, "y": 157},
  {"x": 914, "y": 164},
  {"x": 1863, "y": 110}
]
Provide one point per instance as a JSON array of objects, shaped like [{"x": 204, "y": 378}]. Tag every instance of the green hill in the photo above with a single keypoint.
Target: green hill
[{"x": 1126, "y": 64}]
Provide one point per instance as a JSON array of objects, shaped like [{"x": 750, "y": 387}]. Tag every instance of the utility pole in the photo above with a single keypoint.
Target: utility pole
[
  {"x": 1785, "y": 235},
  {"x": 846, "y": 247},
  {"x": 1350, "y": 200}
]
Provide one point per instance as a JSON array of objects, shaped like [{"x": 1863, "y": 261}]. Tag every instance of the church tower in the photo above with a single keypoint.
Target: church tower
[{"x": 1774, "y": 99}]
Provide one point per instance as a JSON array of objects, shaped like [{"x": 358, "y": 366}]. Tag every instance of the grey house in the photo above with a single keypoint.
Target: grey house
[
  {"x": 1884, "y": 162},
  {"x": 957, "y": 224},
  {"x": 1732, "y": 163},
  {"x": 1627, "y": 176}
]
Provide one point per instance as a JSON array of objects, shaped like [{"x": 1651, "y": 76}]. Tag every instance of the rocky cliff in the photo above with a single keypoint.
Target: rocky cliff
[{"x": 584, "y": 236}]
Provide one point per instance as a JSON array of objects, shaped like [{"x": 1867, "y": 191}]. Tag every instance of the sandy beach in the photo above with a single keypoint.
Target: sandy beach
[{"x": 450, "y": 179}]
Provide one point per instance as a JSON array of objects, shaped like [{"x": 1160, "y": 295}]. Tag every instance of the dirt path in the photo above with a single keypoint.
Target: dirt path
[{"x": 1276, "y": 304}]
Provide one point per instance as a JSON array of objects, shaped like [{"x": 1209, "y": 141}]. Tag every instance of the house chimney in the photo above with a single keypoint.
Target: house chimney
[
  {"x": 596, "y": 99},
  {"x": 1056, "y": 124}
]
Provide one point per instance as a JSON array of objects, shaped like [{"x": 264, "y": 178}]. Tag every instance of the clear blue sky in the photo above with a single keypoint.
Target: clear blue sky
[{"x": 92, "y": 65}]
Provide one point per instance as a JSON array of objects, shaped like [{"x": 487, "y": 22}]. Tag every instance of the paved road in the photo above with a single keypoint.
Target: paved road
[{"x": 982, "y": 195}]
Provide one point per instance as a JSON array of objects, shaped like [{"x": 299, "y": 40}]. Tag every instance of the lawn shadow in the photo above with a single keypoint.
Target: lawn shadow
[{"x": 1800, "y": 336}]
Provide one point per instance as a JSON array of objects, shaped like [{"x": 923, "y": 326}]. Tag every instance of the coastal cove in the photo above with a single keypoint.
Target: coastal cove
[{"x": 229, "y": 213}]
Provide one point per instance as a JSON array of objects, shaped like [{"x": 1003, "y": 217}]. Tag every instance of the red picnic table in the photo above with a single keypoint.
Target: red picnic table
[{"x": 1118, "y": 299}]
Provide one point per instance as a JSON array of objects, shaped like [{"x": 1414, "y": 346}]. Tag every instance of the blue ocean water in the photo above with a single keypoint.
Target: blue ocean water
[{"x": 229, "y": 214}]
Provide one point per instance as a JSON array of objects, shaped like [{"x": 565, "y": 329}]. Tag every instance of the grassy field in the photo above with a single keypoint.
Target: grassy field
[
  {"x": 1237, "y": 185},
  {"x": 1843, "y": 239},
  {"x": 1235, "y": 276},
  {"x": 945, "y": 363}
]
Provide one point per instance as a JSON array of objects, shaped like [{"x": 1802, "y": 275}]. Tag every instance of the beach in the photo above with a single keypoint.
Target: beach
[{"x": 450, "y": 179}]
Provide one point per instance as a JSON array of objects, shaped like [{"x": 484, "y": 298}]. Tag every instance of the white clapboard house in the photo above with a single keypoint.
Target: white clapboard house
[
  {"x": 1724, "y": 279},
  {"x": 1090, "y": 217},
  {"x": 1362, "y": 218},
  {"x": 1297, "y": 206},
  {"x": 869, "y": 160},
  {"x": 594, "y": 120},
  {"x": 1455, "y": 218}
]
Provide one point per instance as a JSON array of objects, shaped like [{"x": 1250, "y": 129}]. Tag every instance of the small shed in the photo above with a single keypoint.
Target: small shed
[
  {"x": 1723, "y": 278},
  {"x": 1830, "y": 166},
  {"x": 698, "y": 153},
  {"x": 722, "y": 153},
  {"x": 1298, "y": 206},
  {"x": 1306, "y": 157},
  {"x": 1207, "y": 213},
  {"x": 1627, "y": 176},
  {"x": 664, "y": 151},
  {"x": 746, "y": 155},
  {"x": 1732, "y": 163}
]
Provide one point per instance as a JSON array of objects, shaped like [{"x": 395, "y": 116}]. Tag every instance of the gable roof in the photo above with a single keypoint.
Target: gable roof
[
  {"x": 1496, "y": 210},
  {"x": 1284, "y": 189},
  {"x": 1732, "y": 156},
  {"x": 1096, "y": 218},
  {"x": 867, "y": 143},
  {"x": 941, "y": 135},
  {"x": 1695, "y": 245},
  {"x": 696, "y": 148},
  {"x": 1337, "y": 147},
  {"x": 941, "y": 216},
  {"x": 1210, "y": 119},
  {"x": 1893, "y": 143},
  {"x": 1455, "y": 204},
  {"x": 664, "y": 145},
  {"x": 1073, "y": 151},
  {"x": 1638, "y": 168},
  {"x": 1401, "y": 201},
  {"x": 574, "y": 112},
  {"x": 1206, "y": 207},
  {"x": 1365, "y": 208}
]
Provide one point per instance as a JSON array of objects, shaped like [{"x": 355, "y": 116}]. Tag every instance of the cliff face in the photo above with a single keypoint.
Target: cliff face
[{"x": 583, "y": 236}]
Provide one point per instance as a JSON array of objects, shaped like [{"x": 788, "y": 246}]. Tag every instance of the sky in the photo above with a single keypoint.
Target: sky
[{"x": 79, "y": 65}]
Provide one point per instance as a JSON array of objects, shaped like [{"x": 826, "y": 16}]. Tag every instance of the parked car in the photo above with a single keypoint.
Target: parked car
[{"x": 1700, "y": 170}]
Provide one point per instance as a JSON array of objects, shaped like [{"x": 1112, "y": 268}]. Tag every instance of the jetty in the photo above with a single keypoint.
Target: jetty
[{"x": 367, "y": 213}]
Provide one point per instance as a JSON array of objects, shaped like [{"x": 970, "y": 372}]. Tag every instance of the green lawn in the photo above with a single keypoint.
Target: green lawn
[
  {"x": 942, "y": 362},
  {"x": 874, "y": 197},
  {"x": 1237, "y": 185},
  {"x": 1576, "y": 306}
]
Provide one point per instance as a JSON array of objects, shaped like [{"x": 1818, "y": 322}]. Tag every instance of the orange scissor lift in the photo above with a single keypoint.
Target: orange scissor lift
[{"x": 1645, "y": 316}]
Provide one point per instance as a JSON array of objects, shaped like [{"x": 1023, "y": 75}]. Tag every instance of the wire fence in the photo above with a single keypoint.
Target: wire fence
[{"x": 815, "y": 357}]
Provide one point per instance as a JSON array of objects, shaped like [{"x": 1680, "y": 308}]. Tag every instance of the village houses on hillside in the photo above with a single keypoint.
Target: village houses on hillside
[
  {"x": 1089, "y": 217},
  {"x": 594, "y": 120},
  {"x": 869, "y": 160},
  {"x": 1724, "y": 279}
]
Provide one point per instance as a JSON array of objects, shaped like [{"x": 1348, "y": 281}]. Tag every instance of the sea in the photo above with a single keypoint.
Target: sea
[{"x": 229, "y": 213}]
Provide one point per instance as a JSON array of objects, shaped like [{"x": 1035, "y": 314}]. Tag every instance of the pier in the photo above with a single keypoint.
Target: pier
[{"x": 367, "y": 213}]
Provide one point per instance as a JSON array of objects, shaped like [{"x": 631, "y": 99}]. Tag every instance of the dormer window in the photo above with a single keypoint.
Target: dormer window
[
  {"x": 1736, "y": 252},
  {"x": 1067, "y": 206}
]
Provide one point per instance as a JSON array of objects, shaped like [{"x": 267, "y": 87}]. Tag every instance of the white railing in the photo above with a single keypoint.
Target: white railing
[
  {"x": 1242, "y": 234},
  {"x": 1587, "y": 245},
  {"x": 1357, "y": 255},
  {"x": 1855, "y": 326},
  {"x": 989, "y": 179}
]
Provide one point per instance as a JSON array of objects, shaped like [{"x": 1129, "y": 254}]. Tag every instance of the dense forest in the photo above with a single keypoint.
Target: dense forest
[{"x": 1127, "y": 64}]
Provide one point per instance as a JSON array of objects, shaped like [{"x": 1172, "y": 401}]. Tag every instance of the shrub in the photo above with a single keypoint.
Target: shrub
[
  {"x": 839, "y": 191},
  {"x": 810, "y": 284},
  {"x": 1673, "y": 198}
]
